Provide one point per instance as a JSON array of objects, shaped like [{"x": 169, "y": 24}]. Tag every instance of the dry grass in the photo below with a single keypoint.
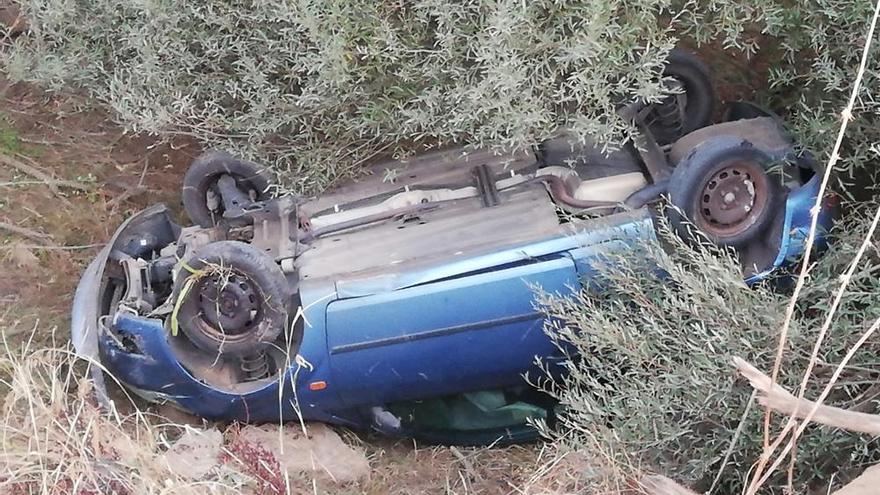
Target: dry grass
[{"x": 54, "y": 439}]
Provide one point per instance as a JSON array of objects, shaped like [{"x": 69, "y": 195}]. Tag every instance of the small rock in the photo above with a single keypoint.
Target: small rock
[
  {"x": 23, "y": 257},
  {"x": 322, "y": 453},
  {"x": 195, "y": 453}
]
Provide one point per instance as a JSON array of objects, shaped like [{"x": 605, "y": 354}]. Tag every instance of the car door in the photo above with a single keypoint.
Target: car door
[{"x": 475, "y": 332}]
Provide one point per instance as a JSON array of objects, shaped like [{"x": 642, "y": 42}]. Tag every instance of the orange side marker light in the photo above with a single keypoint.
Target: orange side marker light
[{"x": 315, "y": 386}]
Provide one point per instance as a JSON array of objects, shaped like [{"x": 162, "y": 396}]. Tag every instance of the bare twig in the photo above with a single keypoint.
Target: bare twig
[
  {"x": 134, "y": 191},
  {"x": 733, "y": 441},
  {"x": 52, "y": 247},
  {"x": 25, "y": 232},
  {"x": 820, "y": 339},
  {"x": 782, "y": 401},
  {"x": 45, "y": 142},
  {"x": 21, "y": 183},
  {"x": 32, "y": 171},
  {"x": 129, "y": 193},
  {"x": 838, "y": 297},
  {"x": 144, "y": 171},
  {"x": 52, "y": 183}
]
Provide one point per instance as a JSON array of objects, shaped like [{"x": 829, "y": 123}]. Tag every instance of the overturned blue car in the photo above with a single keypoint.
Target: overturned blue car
[{"x": 404, "y": 302}]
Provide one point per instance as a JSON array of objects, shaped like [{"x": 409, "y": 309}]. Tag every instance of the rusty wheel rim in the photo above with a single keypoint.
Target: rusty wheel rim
[
  {"x": 732, "y": 199},
  {"x": 229, "y": 304},
  {"x": 224, "y": 309}
]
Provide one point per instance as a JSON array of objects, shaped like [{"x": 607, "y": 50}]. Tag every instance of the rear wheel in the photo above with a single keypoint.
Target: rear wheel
[
  {"x": 691, "y": 108},
  {"x": 723, "y": 189},
  {"x": 202, "y": 199}
]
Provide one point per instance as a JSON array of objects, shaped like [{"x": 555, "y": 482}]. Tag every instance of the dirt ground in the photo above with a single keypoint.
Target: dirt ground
[{"x": 68, "y": 177}]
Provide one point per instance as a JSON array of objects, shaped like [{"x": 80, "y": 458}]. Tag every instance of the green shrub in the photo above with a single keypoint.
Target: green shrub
[
  {"x": 317, "y": 87},
  {"x": 651, "y": 370}
]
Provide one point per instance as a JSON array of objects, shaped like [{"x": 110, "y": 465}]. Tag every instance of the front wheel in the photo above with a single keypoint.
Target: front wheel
[{"x": 231, "y": 299}]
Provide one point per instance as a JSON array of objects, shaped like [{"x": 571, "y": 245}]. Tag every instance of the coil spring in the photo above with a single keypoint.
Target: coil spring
[
  {"x": 669, "y": 115},
  {"x": 255, "y": 366}
]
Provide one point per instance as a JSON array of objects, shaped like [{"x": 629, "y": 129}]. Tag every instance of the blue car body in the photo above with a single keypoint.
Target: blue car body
[{"x": 464, "y": 322}]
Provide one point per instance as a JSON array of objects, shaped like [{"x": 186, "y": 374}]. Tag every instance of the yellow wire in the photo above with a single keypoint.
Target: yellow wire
[{"x": 187, "y": 286}]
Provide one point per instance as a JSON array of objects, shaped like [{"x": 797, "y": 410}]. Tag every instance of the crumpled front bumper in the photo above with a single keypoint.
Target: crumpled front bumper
[
  {"x": 152, "y": 369},
  {"x": 85, "y": 313}
]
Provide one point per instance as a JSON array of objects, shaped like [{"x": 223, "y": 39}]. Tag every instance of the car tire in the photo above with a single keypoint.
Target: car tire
[
  {"x": 202, "y": 177},
  {"x": 245, "y": 277},
  {"x": 722, "y": 189},
  {"x": 697, "y": 85}
]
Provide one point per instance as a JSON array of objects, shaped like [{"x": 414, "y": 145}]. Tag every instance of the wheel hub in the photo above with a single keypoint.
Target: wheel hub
[
  {"x": 732, "y": 198},
  {"x": 229, "y": 303},
  {"x": 215, "y": 198}
]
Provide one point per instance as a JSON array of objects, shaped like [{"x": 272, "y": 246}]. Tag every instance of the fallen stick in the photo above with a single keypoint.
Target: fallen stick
[
  {"x": 50, "y": 247},
  {"x": 776, "y": 398},
  {"x": 58, "y": 182},
  {"x": 25, "y": 232},
  {"x": 52, "y": 183},
  {"x": 866, "y": 484}
]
